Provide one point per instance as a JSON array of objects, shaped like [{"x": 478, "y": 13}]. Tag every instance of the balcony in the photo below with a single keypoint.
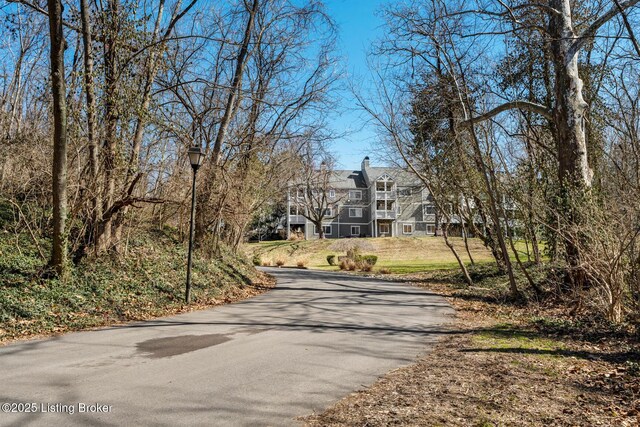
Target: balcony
[
  {"x": 297, "y": 219},
  {"x": 385, "y": 195},
  {"x": 382, "y": 214}
]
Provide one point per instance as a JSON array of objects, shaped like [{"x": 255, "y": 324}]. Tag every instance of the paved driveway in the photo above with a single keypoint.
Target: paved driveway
[{"x": 296, "y": 349}]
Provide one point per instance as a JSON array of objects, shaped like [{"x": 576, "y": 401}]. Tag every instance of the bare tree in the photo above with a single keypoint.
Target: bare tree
[
  {"x": 446, "y": 36},
  {"x": 59, "y": 174},
  {"x": 313, "y": 192}
]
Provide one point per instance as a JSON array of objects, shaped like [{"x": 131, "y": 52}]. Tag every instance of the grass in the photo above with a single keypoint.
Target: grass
[
  {"x": 504, "y": 336},
  {"x": 505, "y": 362},
  {"x": 399, "y": 254},
  {"x": 147, "y": 282}
]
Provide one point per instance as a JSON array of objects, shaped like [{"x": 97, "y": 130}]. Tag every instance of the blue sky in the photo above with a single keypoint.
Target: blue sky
[{"x": 358, "y": 26}]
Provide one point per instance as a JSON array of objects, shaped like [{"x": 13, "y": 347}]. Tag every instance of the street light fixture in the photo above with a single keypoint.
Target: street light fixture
[{"x": 196, "y": 156}]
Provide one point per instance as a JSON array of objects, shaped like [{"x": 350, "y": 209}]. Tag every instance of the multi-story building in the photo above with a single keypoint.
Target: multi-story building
[{"x": 371, "y": 202}]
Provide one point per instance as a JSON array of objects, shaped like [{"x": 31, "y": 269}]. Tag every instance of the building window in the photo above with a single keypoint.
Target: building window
[
  {"x": 296, "y": 210},
  {"x": 325, "y": 228},
  {"x": 407, "y": 228},
  {"x": 327, "y": 211},
  {"x": 431, "y": 229},
  {"x": 384, "y": 205},
  {"x": 332, "y": 194},
  {"x": 384, "y": 186},
  {"x": 429, "y": 210},
  {"x": 355, "y": 194},
  {"x": 355, "y": 230},
  {"x": 355, "y": 212},
  {"x": 405, "y": 191},
  {"x": 384, "y": 228}
]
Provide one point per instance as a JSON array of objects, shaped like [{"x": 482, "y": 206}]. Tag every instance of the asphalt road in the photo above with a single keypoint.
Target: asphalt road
[{"x": 296, "y": 349}]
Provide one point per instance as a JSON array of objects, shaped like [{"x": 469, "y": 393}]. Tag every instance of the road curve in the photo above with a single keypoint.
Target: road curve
[{"x": 296, "y": 349}]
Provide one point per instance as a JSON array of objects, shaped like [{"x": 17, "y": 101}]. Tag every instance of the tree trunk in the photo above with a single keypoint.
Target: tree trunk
[
  {"x": 210, "y": 183},
  {"x": 111, "y": 119},
  {"x": 59, "y": 250},
  {"x": 463, "y": 268},
  {"x": 151, "y": 68},
  {"x": 574, "y": 173},
  {"x": 95, "y": 192},
  {"x": 465, "y": 237}
]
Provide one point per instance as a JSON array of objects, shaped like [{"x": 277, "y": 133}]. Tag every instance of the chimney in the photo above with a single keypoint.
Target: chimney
[{"x": 365, "y": 163}]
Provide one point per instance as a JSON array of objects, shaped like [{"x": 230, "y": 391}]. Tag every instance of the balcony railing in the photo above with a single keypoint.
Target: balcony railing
[
  {"x": 386, "y": 195},
  {"x": 297, "y": 219},
  {"x": 383, "y": 214}
]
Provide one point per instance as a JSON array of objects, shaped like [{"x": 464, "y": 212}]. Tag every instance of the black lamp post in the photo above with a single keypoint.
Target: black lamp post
[{"x": 195, "y": 158}]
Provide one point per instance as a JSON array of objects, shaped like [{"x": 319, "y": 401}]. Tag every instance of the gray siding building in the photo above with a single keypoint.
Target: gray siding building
[{"x": 371, "y": 202}]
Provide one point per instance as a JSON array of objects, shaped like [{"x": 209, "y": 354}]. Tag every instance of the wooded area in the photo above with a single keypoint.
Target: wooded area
[
  {"x": 124, "y": 88},
  {"x": 522, "y": 120},
  {"x": 520, "y": 117}
]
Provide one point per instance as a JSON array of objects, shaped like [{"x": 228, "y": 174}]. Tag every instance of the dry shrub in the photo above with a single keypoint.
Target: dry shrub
[
  {"x": 365, "y": 266},
  {"x": 266, "y": 263},
  {"x": 296, "y": 235},
  {"x": 348, "y": 264},
  {"x": 353, "y": 247},
  {"x": 302, "y": 263},
  {"x": 280, "y": 262},
  {"x": 384, "y": 270},
  {"x": 607, "y": 238}
]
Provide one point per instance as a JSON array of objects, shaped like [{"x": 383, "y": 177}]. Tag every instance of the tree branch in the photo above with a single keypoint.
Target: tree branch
[
  {"x": 632, "y": 36},
  {"x": 590, "y": 32},
  {"x": 513, "y": 105}
]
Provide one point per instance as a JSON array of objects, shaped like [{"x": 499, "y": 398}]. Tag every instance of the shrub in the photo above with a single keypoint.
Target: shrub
[
  {"x": 365, "y": 266},
  {"x": 369, "y": 259},
  {"x": 347, "y": 264},
  {"x": 256, "y": 260},
  {"x": 331, "y": 259},
  {"x": 352, "y": 246},
  {"x": 266, "y": 263},
  {"x": 385, "y": 270},
  {"x": 301, "y": 263},
  {"x": 280, "y": 262}
]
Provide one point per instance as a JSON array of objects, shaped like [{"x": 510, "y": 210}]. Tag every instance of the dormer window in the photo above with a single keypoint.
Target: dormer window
[{"x": 384, "y": 185}]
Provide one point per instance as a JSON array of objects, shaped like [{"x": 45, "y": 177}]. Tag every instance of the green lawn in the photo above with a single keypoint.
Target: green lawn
[{"x": 397, "y": 254}]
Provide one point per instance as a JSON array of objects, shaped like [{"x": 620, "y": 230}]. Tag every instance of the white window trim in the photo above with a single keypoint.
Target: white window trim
[
  {"x": 387, "y": 226},
  {"x": 353, "y": 227},
  {"x": 426, "y": 209},
  {"x": 357, "y": 194},
  {"x": 407, "y": 225},
  {"x": 332, "y": 193},
  {"x": 315, "y": 231},
  {"x": 355, "y": 215}
]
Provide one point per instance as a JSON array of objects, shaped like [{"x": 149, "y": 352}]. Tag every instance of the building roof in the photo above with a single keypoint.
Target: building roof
[
  {"x": 347, "y": 179},
  {"x": 400, "y": 176}
]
